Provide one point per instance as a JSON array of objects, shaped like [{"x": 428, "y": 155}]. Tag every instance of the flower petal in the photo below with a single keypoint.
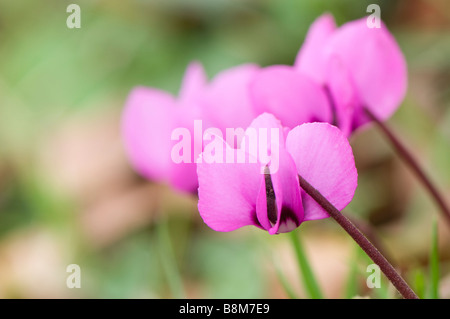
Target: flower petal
[
  {"x": 286, "y": 189},
  {"x": 342, "y": 93},
  {"x": 264, "y": 133},
  {"x": 278, "y": 169},
  {"x": 324, "y": 158},
  {"x": 291, "y": 96},
  {"x": 227, "y": 193},
  {"x": 149, "y": 120},
  {"x": 311, "y": 58},
  {"x": 147, "y": 123},
  {"x": 375, "y": 62},
  {"x": 227, "y": 102},
  {"x": 194, "y": 82}
]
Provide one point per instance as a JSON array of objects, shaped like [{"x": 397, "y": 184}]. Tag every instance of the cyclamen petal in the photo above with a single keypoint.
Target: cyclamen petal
[
  {"x": 226, "y": 101},
  {"x": 279, "y": 173},
  {"x": 291, "y": 96},
  {"x": 227, "y": 193},
  {"x": 194, "y": 82},
  {"x": 342, "y": 94},
  {"x": 148, "y": 121},
  {"x": 311, "y": 58},
  {"x": 324, "y": 158},
  {"x": 377, "y": 65},
  {"x": 289, "y": 209}
]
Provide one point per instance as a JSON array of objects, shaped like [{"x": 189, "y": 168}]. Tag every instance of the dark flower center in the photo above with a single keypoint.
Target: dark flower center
[{"x": 272, "y": 212}]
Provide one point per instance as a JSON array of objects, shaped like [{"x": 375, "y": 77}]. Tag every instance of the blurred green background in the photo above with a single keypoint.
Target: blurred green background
[{"x": 69, "y": 196}]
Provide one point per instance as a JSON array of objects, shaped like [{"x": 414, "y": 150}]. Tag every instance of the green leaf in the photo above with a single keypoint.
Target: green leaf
[
  {"x": 352, "y": 281},
  {"x": 284, "y": 283},
  {"x": 419, "y": 283},
  {"x": 434, "y": 264}
]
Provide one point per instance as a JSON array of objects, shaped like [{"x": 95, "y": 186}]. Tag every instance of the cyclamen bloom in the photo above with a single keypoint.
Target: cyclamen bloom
[
  {"x": 233, "y": 195},
  {"x": 361, "y": 67}
]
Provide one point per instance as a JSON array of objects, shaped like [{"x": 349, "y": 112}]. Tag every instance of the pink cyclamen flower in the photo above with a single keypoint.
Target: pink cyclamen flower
[
  {"x": 234, "y": 193},
  {"x": 361, "y": 67},
  {"x": 149, "y": 118}
]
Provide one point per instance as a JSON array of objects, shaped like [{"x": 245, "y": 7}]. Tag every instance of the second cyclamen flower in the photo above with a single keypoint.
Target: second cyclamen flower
[{"x": 233, "y": 195}]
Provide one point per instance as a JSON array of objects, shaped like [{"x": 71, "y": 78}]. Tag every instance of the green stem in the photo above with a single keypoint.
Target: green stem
[
  {"x": 168, "y": 260},
  {"x": 309, "y": 280}
]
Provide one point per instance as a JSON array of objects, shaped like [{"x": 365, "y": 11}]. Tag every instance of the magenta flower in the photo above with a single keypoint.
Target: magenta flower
[
  {"x": 149, "y": 118},
  {"x": 265, "y": 192},
  {"x": 361, "y": 67}
]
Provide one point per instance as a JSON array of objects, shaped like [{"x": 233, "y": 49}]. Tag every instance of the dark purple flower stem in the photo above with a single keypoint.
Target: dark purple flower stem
[
  {"x": 369, "y": 232},
  {"x": 398, "y": 282},
  {"x": 413, "y": 164}
]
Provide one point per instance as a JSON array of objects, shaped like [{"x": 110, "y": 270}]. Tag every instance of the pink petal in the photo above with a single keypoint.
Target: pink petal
[
  {"x": 376, "y": 64},
  {"x": 227, "y": 102},
  {"x": 264, "y": 133},
  {"x": 149, "y": 118},
  {"x": 183, "y": 176},
  {"x": 288, "y": 198},
  {"x": 194, "y": 82},
  {"x": 283, "y": 175},
  {"x": 291, "y": 96},
  {"x": 147, "y": 123},
  {"x": 324, "y": 158},
  {"x": 227, "y": 193},
  {"x": 311, "y": 59},
  {"x": 342, "y": 93},
  {"x": 233, "y": 195}
]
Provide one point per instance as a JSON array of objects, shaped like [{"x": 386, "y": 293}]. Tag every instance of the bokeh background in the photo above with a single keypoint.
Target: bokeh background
[{"x": 69, "y": 196}]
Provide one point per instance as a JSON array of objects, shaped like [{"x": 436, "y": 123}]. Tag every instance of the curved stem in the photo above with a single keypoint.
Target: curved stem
[
  {"x": 413, "y": 164},
  {"x": 398, "y": 282}
]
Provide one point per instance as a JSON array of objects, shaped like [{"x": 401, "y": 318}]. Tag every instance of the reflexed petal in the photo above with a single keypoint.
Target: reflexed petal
[
  {"x": 264, "y": 133},
  {"x": 324, "y": 158},
  {"x": 311, "y": 56},
  {"x": 227, "y": 102},
  {"x": 283, "y": 174},
  {"x": 147, "y": 123},
  {"x": 376, "y": 64},
  {"x": 227, "y": 193},
  {"x": 194, "y": 82},
  {"x": 291, "y": 96},
  {"x": 288, "y": 196},
  {"x": 342, "y": 93},
  {"x": 183, "y": 176}
]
